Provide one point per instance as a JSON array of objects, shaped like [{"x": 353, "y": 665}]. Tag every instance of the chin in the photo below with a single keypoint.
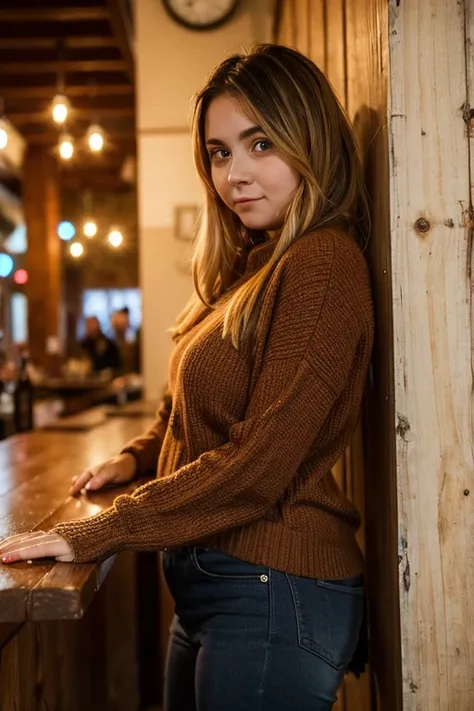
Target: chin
[{"x": 255, "y": 223}]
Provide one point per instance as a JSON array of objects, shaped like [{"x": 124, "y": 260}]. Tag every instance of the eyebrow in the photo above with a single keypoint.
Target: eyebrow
[{"x": 242, "y": 136}]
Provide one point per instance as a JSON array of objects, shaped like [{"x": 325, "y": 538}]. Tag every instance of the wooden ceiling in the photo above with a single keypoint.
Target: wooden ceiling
[{"x": 88, "y": 45}]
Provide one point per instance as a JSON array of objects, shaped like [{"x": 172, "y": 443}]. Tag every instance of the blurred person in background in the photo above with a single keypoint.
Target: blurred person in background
[
  {"x": 120, "y": 322},
  {"x": 102, "y": 352}
]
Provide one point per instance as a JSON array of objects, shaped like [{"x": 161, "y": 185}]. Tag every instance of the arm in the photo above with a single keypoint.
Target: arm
[
  {"x": 146, "y": 447},
  {"x": 308, "y": 357}
]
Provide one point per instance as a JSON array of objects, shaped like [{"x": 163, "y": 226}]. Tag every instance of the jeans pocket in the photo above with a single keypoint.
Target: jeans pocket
[
  {"x": 221, "y": 566},
  {"x": 328, "y": 616}
]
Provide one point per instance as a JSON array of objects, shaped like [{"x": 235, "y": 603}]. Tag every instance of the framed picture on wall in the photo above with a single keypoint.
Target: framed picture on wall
[{"x": 185, "y": 220}]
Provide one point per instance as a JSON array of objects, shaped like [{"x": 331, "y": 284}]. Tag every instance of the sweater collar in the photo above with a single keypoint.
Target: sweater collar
[{"x": 259, "y": 255}]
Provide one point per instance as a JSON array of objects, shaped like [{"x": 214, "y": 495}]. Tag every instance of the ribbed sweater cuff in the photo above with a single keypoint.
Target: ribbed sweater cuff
[
  {"x": 142, "y": 463},
  {"x": 95, "y": 538}
]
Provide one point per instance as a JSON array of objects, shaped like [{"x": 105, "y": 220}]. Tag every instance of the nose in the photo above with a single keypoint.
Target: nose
[{"x": 239, "y": 173}]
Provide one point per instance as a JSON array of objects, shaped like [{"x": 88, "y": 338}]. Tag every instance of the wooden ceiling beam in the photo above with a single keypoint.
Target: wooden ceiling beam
[
  {"x": 89, "y": 42},
  {"x": 87, "y": 65},
  {"x": 54, "y": 14},
  {"x": 121, "y": 26},
  {"x": 20, "y": 119},
  {"x": 48, "y": 92}
]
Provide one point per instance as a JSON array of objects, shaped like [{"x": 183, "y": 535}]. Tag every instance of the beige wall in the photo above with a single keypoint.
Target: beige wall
[{"x": 172, "y": 64}]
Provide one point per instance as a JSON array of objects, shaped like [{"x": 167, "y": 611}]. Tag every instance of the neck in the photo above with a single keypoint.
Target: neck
[{"x": 273, "y": 234}]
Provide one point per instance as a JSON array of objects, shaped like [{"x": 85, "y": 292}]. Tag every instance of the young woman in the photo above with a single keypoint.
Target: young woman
[{"x": 265, "y": 384}]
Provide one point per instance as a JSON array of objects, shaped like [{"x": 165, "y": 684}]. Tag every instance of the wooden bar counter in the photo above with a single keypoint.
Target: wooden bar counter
[{"x": 69, "y": 637}]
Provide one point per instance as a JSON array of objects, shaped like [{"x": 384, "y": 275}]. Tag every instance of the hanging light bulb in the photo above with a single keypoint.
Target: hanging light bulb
[
  {"x": 60, "y": 108},
  {"x": 66, "y": 146},
  {"x": 115, "y": 238},
  {"x": 90, "y": 228},
  {"x": 3, "y": 138},
  {"x": 76, "y": 249},
  {"x": 95, "y": 138},
  {"x": 3, "y": 126}
]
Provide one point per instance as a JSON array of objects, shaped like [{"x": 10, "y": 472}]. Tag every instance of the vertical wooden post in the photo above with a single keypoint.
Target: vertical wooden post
[
  {"x": 43, "y": 291},
  {"x": 431, "y": 244}
]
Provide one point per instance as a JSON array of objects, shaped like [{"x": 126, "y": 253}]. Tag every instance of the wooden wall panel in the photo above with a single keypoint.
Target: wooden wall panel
[
  {"x": 366, "y": 24},
  {"x": 335, "y": 42},
  {"x": 303, "y": 14},
  {"x": 285, "y": 31},
  {"x": 317, "y": 34},
  {"x": 431, "y": 237}
]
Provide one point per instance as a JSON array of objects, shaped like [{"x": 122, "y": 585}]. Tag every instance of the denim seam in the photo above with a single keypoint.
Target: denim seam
[
  {"x": 298, "y": 629},
  {"x": 254, "y": 578},
  {"x": 269, "y": 635},
  {"x": 344, "y": 589}
]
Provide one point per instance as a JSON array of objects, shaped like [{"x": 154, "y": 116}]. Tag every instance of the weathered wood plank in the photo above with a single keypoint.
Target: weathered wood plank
[{"x": 433, "y": 338}]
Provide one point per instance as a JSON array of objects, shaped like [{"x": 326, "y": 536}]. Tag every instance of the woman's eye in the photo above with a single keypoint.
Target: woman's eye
[
  {"x": 220, "y": 153},
  {"x": 263, "y": 144}
]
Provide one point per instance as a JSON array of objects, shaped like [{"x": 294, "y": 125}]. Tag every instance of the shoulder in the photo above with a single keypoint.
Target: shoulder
[
  {"x": 325, "y": 259},
  {"x": 325, "y": 247},
  {"x": 325, "y": 271}
]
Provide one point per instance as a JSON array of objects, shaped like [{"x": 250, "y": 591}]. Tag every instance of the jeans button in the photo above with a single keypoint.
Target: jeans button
[{"x": 264, "y": 578}]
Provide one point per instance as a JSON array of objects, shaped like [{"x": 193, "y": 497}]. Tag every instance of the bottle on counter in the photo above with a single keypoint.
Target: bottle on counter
[{"x": 23, "y": 397}]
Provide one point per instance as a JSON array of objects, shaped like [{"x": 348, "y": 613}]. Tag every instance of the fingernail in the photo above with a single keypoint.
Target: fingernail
[{"x": 88, "y": 485}]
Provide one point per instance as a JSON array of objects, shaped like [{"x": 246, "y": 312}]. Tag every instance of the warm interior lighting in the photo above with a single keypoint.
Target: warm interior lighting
[
  {"x": 66, "y": 230},
  {"x": 60, "y": 108},
  {"x": 6, "y": 265},
  {"x": 115, "y": 238},
  {"x": 76, "y": 249},
  {"x": 66, "y": 146},
  {"x": 3, "y": 139},
  {"x": 95, "y": 138},
  {"x": 90, "y": 228},
  {"x": 20, "y": 276}
]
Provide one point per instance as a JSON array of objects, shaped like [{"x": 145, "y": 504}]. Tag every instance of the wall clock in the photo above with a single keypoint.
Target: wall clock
[{"x": 201, "y": 14}]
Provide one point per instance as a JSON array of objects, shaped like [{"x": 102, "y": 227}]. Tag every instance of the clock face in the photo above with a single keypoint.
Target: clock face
[{"x": 200, "y": 14}]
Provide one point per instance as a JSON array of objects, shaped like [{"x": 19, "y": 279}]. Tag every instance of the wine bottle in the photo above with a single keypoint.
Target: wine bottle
[{"x": 23, "y": 397}]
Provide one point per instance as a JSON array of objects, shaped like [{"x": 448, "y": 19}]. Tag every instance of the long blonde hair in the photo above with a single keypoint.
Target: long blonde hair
[{"x": 291, "y": 99}]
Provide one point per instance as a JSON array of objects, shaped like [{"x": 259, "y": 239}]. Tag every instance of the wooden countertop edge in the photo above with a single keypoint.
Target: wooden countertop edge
[
  {"x": 7, "y": 631},
  {"x": 58, "y": 591},
  {"x": 49, "y": 600}
]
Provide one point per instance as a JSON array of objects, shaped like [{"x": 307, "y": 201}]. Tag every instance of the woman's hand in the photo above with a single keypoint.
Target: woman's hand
[
  {"x": 26, "y": 546},
  {"x": 118, "y": 470}
]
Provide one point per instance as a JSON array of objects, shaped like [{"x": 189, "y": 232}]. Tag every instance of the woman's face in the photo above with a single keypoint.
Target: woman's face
[{"x": 248, "y": 173}]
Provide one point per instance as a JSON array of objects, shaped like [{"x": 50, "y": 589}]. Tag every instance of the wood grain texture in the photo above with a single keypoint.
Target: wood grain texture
[
  {"x": 317, "y": 34},
  {"x": 431, "y": 237},
  {"x": 335, "y": 42},
  {"x": 75, "y": 665},
  {"x": 35, "y": 475}
]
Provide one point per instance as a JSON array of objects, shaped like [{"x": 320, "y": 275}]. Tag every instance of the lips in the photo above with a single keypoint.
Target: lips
[{"x": 246, "y": 201}]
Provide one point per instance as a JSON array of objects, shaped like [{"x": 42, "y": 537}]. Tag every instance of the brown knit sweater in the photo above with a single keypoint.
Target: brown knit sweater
[{"x": 244, "y": 446}]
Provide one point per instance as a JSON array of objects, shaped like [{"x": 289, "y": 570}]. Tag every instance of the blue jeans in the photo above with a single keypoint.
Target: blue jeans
[{"x": 249, "y": 638}]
